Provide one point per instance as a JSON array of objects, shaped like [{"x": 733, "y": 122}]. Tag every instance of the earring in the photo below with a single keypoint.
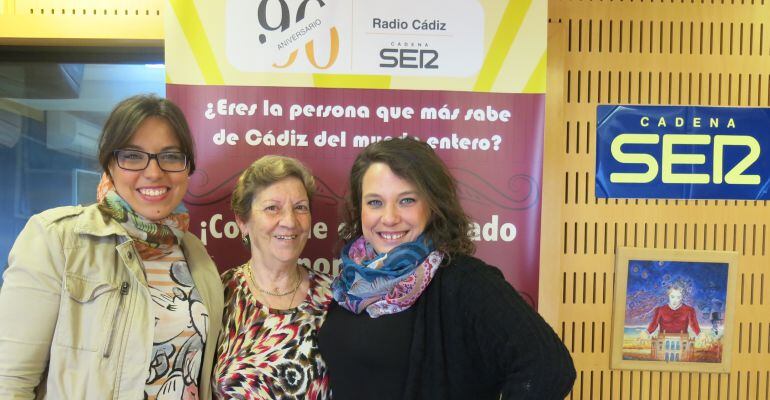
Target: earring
[{"x": 246, "y": 240}]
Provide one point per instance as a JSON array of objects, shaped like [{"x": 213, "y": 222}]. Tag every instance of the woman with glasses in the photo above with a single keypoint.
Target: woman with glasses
[{"x": 116, "y": 299}]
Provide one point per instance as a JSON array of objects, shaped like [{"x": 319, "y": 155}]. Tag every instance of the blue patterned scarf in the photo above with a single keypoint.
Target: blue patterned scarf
[{"x": 384, "y": 283}]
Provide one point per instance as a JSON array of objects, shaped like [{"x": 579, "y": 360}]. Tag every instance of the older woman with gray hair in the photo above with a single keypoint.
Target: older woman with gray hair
[{"x": 273, "y": 306}]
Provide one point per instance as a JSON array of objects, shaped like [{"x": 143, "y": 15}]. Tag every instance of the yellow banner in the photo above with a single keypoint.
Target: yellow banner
[{"x": 463, "y": 45}]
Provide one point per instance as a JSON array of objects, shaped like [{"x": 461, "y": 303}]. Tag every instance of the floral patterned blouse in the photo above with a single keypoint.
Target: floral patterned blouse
[{"x": 265, "y": 353}]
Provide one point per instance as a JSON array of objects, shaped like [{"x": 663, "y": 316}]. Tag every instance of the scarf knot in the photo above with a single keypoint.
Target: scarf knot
[
  {"x": 152, "y": 239},
  {"x": 385, "y": 283}
]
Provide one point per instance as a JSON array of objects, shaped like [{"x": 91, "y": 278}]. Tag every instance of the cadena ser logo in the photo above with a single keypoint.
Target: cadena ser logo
[
  {"x": 275, "y": 35},
  {"x": 426, "y": 37},
  {"x": 409, "y": 56},
  {"x": 680, "y": 152}
]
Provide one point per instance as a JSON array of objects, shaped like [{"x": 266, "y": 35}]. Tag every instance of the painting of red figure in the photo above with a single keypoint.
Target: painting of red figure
[{"x": 675, "y": 311}]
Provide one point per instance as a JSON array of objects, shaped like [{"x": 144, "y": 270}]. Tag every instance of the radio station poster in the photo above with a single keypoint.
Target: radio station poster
[{"x": 319, "y": 80}]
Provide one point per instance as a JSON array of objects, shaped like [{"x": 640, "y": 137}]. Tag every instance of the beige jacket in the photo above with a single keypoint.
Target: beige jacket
[{"x": 75, "y": 312}]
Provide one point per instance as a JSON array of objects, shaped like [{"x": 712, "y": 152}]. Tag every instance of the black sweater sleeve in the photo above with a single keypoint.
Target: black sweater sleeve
[{"x": 514, "y": 342}]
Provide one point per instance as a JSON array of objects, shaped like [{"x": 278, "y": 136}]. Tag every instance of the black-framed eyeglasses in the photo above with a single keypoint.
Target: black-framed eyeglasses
[{"x": 137, "y": 160}]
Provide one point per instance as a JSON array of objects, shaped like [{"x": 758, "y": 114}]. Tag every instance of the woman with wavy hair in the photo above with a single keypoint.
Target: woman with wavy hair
[{"x": 416, "y": 315}]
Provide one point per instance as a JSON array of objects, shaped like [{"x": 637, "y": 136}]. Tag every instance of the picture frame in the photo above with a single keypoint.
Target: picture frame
[{"x": 673, "y": 310}]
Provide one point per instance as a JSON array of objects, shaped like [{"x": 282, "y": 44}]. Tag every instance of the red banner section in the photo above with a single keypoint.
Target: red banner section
[{"x": 492, "y": 143}]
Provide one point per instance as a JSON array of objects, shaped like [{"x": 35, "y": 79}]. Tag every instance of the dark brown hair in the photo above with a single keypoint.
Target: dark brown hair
[
  {"x": 130, "y": 113},
  {"x": 417, "y": 163},
  {"x": 263, "y": 173}
]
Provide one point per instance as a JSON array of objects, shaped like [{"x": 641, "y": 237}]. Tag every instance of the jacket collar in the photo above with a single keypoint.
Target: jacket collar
[{"x": 92, "y": 222}]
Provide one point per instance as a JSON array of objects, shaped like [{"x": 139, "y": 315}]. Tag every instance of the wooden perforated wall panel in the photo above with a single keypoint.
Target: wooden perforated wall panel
[{"x": 677, "y": 52}]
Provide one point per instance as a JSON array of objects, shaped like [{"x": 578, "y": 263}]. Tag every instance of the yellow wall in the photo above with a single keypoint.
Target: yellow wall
[
  {"x": 83, "y": 22},
  {"x": 699, "y": 52}
]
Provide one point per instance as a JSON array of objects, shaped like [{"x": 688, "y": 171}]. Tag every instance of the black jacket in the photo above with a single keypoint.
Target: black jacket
[{"x": 474, "y": 337}]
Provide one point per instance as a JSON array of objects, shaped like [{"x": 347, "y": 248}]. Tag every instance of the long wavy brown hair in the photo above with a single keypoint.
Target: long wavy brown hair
[{"x": 418, "y": 164}]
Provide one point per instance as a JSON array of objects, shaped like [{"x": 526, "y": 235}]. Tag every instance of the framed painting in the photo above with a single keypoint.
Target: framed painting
[{"x": 673, "y": 310}]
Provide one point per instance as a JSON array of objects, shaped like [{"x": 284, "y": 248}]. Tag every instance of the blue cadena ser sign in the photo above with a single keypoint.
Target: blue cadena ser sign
[{"x": 682, "y": 152}]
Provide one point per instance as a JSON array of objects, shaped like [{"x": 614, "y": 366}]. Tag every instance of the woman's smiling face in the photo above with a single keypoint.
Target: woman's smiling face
[
  {"x": 152, "y": 192},
  {"x": 279, "y": 223},
  {"x": 392, "y": 210}
]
